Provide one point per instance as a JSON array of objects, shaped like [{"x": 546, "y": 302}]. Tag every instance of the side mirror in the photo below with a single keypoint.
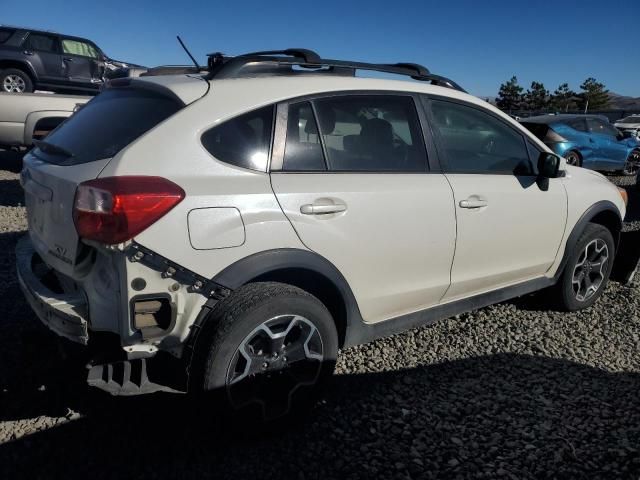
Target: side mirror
[{"x": 548, "y": 165}]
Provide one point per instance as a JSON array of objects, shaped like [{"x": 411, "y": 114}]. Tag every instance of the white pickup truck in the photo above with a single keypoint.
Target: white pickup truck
[{"x": 28, "y": 116}]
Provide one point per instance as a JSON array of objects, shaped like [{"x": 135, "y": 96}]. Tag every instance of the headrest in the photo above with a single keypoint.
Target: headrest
[
  {"x": 327, "y": 118},
  {"x": 377, "y": 131}
]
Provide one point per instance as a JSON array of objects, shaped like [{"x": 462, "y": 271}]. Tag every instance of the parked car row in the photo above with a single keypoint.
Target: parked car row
[
  {"x": 36, "y": 59},
  {"x": 588, "y": 141}
]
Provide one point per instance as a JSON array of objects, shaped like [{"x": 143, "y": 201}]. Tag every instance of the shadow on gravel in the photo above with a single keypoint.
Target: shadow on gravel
[
  {"x": 633, "y": 208},
  {"x": 505, "y": 415},
  {"x": 11, "y": 160},
  {"x": 11, "y": 193}
]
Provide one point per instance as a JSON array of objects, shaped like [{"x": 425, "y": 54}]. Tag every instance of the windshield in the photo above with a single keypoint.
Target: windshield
[
  {"x": 106, "y": 125},
  {"x": 630, "y": 120}
]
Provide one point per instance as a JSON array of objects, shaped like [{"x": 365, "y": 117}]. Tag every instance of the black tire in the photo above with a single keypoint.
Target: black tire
[
  {"x": 233, "y": 321},
  {"x": 13, "y": 80},
  {"x": 571, "y": 296},
  {"x": 632, "y": 164},
  {"x": 573, "y": 158}
]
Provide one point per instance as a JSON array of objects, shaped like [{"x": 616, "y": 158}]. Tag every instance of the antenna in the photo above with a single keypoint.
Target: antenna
[{"x": 188, "y": 52}]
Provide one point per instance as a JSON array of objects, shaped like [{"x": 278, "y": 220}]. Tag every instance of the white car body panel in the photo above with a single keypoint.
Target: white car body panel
[
  {"x": 403, "y": 244},
  {"x": 513, "y": 239},
  {"x": 395, "y": 262}
]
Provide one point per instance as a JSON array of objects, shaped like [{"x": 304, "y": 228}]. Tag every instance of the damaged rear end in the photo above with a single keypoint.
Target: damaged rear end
[{"x": 73, "y": 266}]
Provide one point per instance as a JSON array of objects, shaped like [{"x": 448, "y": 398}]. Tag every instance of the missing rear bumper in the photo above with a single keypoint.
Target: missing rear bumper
[{"x": 63, "y": 313}]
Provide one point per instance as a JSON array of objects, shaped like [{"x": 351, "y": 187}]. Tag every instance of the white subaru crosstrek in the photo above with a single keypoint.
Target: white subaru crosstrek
[{"x": 228, "y": 229}]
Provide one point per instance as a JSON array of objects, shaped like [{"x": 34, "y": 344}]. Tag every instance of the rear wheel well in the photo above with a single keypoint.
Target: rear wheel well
[
  {"x": 317, "y": 285},
  {"x": 19, "y": 65}
]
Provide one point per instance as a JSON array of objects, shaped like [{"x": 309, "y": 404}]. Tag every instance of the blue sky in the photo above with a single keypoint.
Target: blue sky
[{"x": 479, "y": 44}]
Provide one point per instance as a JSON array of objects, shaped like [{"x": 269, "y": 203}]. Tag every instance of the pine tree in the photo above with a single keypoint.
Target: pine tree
[
  {"x": 564, "y": 99},
  {"x": 537, "y": 97},
  {"x": 510, "y": 95},
  {"x": 594, "y": 94}
]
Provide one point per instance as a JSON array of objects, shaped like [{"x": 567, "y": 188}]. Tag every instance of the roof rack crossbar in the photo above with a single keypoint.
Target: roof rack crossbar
[
  {"x": 231, "y": 67},
  {"x": 309, "y": 56}
]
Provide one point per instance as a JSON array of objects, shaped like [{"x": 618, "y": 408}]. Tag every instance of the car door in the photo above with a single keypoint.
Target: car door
[
  {"x": 358, "y": 191},
  {"x": 509, "y": 227},
  {"x": 611, "y": 152},
  {"x": 44, "y": 51},
  {"x": 81, "y": 60}
]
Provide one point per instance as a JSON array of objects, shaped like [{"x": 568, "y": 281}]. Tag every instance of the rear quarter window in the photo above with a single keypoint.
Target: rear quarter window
[
  {"x": 243, "y": 141},
  {"x": 107, "y": 124}
]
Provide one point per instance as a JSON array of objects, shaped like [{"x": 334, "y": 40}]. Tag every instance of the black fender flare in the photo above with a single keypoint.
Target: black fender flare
[
  {"x": 24, "y": 65},
  {"x": 258, "y": 264},
  {"x": 578, "y": 228}
]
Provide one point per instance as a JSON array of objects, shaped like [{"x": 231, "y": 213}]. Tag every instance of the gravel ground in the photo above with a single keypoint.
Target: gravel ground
[{"x": 510, "y": 391}]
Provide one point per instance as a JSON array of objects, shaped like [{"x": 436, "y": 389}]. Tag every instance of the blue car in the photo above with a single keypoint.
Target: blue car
[{"x": 588, "y": 141}]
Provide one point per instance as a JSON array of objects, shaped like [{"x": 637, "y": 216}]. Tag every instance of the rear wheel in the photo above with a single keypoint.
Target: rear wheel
[
  {"x": 587, "y": 271},
  {"x": 270, "y": 349},
  {"x": 632, "y": 165},
  {"x": 13, "y": 80},
  {"x": 573, "y": 158}
]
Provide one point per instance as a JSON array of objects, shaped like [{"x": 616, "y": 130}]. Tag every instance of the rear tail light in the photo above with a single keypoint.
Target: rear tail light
[
  {"x": 553, "y": 137},
  {"x": 115, "y": 209}
]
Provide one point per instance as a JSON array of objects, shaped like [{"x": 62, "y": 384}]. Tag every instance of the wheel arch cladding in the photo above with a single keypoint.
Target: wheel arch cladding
[
  {"x": 25, "y": 67},
  {"x": 303, "y": 269},
  {"x": 603, "y": 213}
]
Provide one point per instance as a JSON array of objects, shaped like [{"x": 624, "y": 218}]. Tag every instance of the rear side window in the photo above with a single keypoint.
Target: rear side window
[
  {"x": 5, "y": 33},
  {"x": 538, "y": 129},
  {"x": 578, "y": 124},
  {"x": 243, "y": 141},
  {"x": 303, "y": 150},
  {"x": 476, "y": 142},
  {"x": 42, "y": 43},
  {"x": 350, "y": 133},
  {"x": 106, "y": 125}
]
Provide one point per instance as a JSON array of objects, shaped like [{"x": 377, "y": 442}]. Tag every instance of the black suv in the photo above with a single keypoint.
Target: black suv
[{"x": 35, "y": 59}]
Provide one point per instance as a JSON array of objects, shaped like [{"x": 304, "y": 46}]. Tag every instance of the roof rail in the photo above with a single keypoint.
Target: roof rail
[{"x": 282, "y": 62}]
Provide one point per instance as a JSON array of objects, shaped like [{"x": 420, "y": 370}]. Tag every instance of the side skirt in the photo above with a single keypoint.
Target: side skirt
[{"x": 363, "y": 333}]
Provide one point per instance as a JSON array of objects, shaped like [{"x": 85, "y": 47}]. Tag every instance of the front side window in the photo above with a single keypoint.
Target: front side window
[
  {"x": 473, "y": 141},
  {"x": 600, "y": 127},
  {"x": 42, "y": 43},
  {"x": 243, "y": 141},
  {"x": 75, "y": 47}
]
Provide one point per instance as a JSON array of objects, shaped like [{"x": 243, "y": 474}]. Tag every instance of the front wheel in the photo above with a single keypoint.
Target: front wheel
[
  {"x": 632, "y": 165},
  {"x": 271, "y": 347},
  {"x": 587, "y": 271}
]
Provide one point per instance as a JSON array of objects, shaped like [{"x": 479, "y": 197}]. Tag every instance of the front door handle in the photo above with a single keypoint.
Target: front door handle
[
  {"x": 68, "y": 59},
  {"x": 473, "y": 202},
  {"x": 322, "y": 208}
]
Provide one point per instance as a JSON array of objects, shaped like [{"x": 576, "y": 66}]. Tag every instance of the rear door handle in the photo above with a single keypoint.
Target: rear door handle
[
  {"x": 322, "y": 208},
  {"x": 472, "y": 202}
]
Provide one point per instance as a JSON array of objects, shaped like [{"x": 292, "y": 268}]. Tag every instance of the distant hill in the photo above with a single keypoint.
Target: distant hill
[{"x": 623, "y": 103}]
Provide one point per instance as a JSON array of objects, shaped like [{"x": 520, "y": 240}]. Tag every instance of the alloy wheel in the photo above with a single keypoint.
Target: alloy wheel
[
  {"x": 632, "y": 164},
  {"x": 590, "y": 270},
  {"x": 573, "y": 159},
  {"x": 13, "y": 84},
  {"x": 278, "y": 357}
]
